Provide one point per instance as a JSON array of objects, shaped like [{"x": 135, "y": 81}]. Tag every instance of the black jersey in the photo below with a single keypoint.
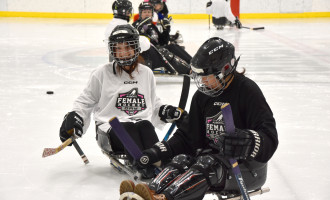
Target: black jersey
[
  {"x": 151, "y": 31},
  {"x": 204, "y": 128}
]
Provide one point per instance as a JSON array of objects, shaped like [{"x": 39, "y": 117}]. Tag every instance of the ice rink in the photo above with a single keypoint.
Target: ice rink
[{"x": 290, "y": 60}]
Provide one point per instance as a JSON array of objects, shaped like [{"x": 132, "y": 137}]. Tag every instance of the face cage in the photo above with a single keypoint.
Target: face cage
[
  {"x": 216, "y": 90},
  {"x": 218, "y": 86},
  {"x": 125, "y": 59}
]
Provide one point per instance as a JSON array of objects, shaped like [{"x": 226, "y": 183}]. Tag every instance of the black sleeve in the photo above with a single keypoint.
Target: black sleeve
[
  {"x": 189, "y": 137},
  {"x": 258, "y": 116}
]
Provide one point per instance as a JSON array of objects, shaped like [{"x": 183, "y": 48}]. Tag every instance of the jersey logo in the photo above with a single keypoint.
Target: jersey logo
[
  {"x": 131, "y": 102},
  {"x": 215, "y": 129}
]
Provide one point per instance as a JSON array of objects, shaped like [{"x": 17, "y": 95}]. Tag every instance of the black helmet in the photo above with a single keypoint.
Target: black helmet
[
  {"x": 122, "y": 9},
  {"x": 155, "y": 1},
  {"x": 124, "y": 34},
  {"x": 145, "y": 6},
  {"x": 216, "y": 56}
]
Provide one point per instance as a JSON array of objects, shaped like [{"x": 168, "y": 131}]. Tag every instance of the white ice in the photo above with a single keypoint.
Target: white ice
[{"x": 290, "y": 60}]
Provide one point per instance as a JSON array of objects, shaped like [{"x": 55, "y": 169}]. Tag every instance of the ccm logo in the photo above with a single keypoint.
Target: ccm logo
[
  {"x": 215, "y": 49},
  {"x": 130, "y": 82}
]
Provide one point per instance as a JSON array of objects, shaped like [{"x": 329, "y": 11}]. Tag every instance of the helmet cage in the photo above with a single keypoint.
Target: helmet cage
[
  {"x": 213, "y": 84},
  {"x": 124, "y": 57},
  {"x": 127, "y": 38}
]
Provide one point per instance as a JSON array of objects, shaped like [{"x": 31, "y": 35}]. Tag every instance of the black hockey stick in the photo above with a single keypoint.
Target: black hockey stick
[
  {"x": 230, "y": 128},
  {"x": 81, "y": 153},
  {"x": 182, "y": 102},
  {"x": 256, "y": 28}
]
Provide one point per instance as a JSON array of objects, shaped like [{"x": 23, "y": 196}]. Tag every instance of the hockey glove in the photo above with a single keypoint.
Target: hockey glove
[
  {"x": 169, "y": 114},
  {"x": 160, "y": 151},
  {"x": 166, "y": 24},
  {"x": 72, "y": 125},
  {"x": 241, "y": 145},
  {"x": 143, "y": 26},
  {"x": 238, "y": 23},
  {"x": 208, "y": 4}
]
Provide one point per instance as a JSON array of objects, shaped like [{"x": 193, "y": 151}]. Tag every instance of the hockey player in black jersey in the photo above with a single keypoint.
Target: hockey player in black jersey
[
  {"x": 200, "y": 148},
  {"x": 160, "y": 42}
]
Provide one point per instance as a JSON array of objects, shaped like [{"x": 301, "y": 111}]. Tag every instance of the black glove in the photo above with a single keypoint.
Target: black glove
[
  {"x": 72, "y": 126},
  {"x": 241, "y": 145},
  {"x": 169, "y": 114},
  {"x": 208, "y": 4},
  {"x": 166, "y": 24},
  {"x": 160, "y": 151},
  {"x": 238, "y": 23},
  {"x": 143, "y": 26}
]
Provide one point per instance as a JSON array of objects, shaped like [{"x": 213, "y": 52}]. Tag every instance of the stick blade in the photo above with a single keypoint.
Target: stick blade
[
  {"x": 258, "y": 28},
  {"x": 48, "y": 152}
]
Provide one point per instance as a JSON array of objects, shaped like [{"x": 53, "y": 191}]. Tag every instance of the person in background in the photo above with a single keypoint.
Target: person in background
[
  {"x": 122, "y": 12},
  {"x": 201, "y": 146},
  {"x": 222, "y": 14},
  {"x": 160, "y": 48}
]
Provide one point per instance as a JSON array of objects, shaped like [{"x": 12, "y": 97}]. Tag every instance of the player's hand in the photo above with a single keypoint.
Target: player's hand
[
  {"x": 241, "y": 145},
  {"x": 169, "y": 114},
  {"x": 166, "y": 24},
  {"x": 72, "y": 125},
  {"x": 160, "y": 151}
]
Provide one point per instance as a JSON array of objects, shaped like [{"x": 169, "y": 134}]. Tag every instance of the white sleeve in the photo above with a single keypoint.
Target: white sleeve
[
  {"x": 144, "y": 43},
  {"x": 87, "y": 100},
  {"x": 155, "y": 120}
]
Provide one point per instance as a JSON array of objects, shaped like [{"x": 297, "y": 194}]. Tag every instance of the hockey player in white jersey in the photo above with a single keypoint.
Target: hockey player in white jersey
[
  {"x": 222, "y": 14},
  {"x": 125, "y": 89}
]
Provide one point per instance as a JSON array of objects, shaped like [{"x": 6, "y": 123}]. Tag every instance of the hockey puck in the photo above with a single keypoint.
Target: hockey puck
[{"x": 50, "y": 92}]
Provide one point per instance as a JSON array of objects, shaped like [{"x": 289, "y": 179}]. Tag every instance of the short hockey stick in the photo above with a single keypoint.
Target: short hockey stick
[
  {"x": 230, "y": 128},
  {"x": 256, "y": 28},
  {"x": 53, "y": 151}
]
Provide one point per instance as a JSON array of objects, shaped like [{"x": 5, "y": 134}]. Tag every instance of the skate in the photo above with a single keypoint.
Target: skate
[{"x": 139, "y": 192}]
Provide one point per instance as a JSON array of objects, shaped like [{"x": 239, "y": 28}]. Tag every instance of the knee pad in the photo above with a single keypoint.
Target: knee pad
[
  {"x": 194, "y": 183},
  {"x": 171, "y": 172},
  {"x": 210, "y": 167}
]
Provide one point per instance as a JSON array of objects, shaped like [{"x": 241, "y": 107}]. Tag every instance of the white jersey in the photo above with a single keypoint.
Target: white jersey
[
  {"x": 109, "y": 95},
  {"x": 221, "y": 8},
  {"x": 144, "y": 41}
]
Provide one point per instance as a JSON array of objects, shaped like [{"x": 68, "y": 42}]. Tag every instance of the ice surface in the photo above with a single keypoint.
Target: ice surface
[{"x": 290, "y": 60}]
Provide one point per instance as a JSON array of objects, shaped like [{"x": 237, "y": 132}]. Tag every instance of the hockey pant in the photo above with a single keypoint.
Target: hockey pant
[
  {"x": 142, "y": 132},
  {"x": 179, "y": 51},
  {"x": 154, "y": 60},
  {"x": 221, "y": 21}
]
